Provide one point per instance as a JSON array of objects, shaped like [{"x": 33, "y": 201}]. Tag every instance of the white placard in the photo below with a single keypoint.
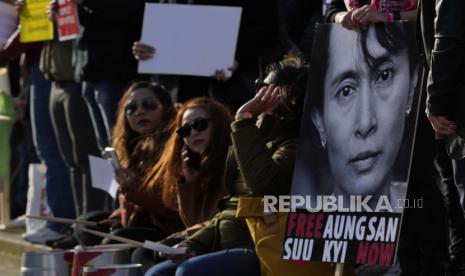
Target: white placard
[
  {"x": 168, "y": 250},
  {"x": 102, "y": 175},
  {"x": 190, "y": 39},
  {"x": 8, "y": 22}
]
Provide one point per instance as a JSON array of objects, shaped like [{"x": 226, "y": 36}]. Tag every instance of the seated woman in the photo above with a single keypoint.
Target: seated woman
[
  {"x": 260, "y": 161},
  {"x": 191, "y": 167},
  {"x": 144, "y": 124}
]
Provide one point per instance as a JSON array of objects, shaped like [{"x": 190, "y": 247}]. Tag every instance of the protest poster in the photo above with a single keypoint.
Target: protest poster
[
  {"x": 67, "y": 20},
  {"x": 35, "y": 24},
  {"x": 8, "y": 22},
  {"x": 186, "y": 40},
  {"x": 353, "y": 162}
]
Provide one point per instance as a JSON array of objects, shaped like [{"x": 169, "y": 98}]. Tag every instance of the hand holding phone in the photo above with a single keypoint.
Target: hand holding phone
[
  {"x": 111, "y": 155},
  {"x": 190, "y": 163}
]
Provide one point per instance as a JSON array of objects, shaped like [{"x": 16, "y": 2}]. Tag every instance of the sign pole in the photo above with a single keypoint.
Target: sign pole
[{"x": 339, "y": 269}]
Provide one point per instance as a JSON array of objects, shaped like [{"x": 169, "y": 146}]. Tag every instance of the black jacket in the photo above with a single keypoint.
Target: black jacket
[
  {"x": 444, "y": 48},
  {"x": 442, "y": 24},
  {"x": 110, "y": 29}
]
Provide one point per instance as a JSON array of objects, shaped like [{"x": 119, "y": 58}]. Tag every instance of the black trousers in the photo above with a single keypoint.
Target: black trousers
[
  {"x": 76, "y": 139},
  {"x": 452, "y": 182}
]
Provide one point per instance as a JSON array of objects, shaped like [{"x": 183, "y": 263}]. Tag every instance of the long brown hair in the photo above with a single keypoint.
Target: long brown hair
[
  {"x": 169, "y": 168},
  {"x": 132, "y": 148}
]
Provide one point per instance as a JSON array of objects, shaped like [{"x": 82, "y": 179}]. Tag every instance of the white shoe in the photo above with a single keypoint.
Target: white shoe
[{"x": 43, "y": 235}]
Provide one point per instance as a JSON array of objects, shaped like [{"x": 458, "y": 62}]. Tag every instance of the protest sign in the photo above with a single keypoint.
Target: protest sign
[
  {"x": 35, "y": 24},
  {"x": 102, "y": 175},
  {"x": 8, "y": 22},
  {"x": 67, "y": 20},
  {"x": 357, "y": 132},
  {"x": 190, "y": 39}
]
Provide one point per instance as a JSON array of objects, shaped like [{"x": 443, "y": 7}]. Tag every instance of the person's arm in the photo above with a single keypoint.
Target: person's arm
[
  {"x": 335, "y": 7},
  {"x": 409, "y": 15},
  {"x": 202, "y": 241},
  {"x": 448, "y": 56},
  {"x": 12, "y": 49},
  {"x": 189, "y": 202},
  {"x": 264, "y": 172}
]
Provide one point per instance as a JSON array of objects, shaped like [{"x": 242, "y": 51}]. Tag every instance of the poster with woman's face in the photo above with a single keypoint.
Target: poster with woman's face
[{"x": 356, "y": 143}]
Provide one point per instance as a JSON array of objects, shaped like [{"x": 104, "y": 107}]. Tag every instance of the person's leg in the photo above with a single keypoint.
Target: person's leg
[
  {"x": 60, "y": 127},
  {"x": 146, "y": 257},
  {"x": 455, "y": 218},
  {"x": 59, "y": 195},
  {"x": 166, "y": 268},
  {"x": 458, "y": 165},
  {"x": 88, "y": 93},
  {"x": 83, "y": 143},
  {"x": 107, "y": 95},
  {"x": 230, "y": 262},
  {"x": 85, "y": 238}
]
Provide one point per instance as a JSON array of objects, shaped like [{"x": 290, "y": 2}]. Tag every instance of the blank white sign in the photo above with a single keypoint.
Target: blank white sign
[
  {"x": 190, "y": 39},
  {"x": 8, "y": 22}
]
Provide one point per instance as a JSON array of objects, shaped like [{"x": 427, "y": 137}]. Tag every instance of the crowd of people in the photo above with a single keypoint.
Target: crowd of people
[{"x": 191, "y": 148}]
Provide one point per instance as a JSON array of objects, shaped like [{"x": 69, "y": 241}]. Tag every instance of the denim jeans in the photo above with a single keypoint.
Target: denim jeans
[
  {"x": 102, "y": 98},
  {"x": 58, "y": 187},
  {"x": 452, "y": 174},
  {"x": 230, "y": 262}
]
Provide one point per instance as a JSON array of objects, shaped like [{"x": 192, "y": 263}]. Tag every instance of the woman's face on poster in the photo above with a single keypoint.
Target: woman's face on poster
[{"x": 364, "y": 111}]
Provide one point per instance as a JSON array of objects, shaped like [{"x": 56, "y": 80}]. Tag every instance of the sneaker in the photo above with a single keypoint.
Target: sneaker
[{"x": 43, "y": 235}]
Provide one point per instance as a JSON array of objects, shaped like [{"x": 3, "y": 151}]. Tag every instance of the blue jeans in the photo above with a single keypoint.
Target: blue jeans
[
  {"x": 102, "y": 99},
  {"x": 58, "y": 187},
  {"x": 230, "y": 262}
]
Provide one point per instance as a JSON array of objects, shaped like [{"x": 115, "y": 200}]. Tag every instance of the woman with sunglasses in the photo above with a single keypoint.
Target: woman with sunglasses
[
  {"x": 144, "y": 124},
  {"x": 192, "y": 164},
  {"x": 260, "y": 162}
]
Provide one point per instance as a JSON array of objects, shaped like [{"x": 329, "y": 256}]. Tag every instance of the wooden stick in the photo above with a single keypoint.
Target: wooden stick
[
  {"x": 114, "y": 237},
  {"x": 111, "y": 246},
  {"x": 65, "y": 220}
]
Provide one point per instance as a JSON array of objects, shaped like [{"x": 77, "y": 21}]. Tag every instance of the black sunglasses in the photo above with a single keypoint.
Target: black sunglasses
[
  {"x": 199, "y": 124},
  {"x": 259, "y": 84},
  {"x": 147, "y": 104}
]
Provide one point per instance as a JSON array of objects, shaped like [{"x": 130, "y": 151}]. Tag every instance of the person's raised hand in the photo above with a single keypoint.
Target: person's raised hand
[
  {"x": 142, "y": 51},
  {"x": 220, "y": 74},
  {"x": 366, "y": 15},
  {"x": 345, "y": 19},
  {"x": 52, "y": 9},
  {"x": 19, "y": 5},
  {"x": 267, "y": 98},
  {"x": 442, "y": 125},
  {"x": 190, "y": 174}
]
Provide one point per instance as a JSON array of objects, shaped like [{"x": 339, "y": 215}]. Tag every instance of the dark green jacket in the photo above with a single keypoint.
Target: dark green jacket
[{"x": 260, "y": 162}]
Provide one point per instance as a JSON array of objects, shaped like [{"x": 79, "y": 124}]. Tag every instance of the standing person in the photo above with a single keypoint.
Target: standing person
[
  {"x": 106, "y": 64},
  {"x": 257, "y": 35},
  {"x": 353, "y": 14},
  {"x": 58, "y": 187},
  {"x": 442, "y": 38}
]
